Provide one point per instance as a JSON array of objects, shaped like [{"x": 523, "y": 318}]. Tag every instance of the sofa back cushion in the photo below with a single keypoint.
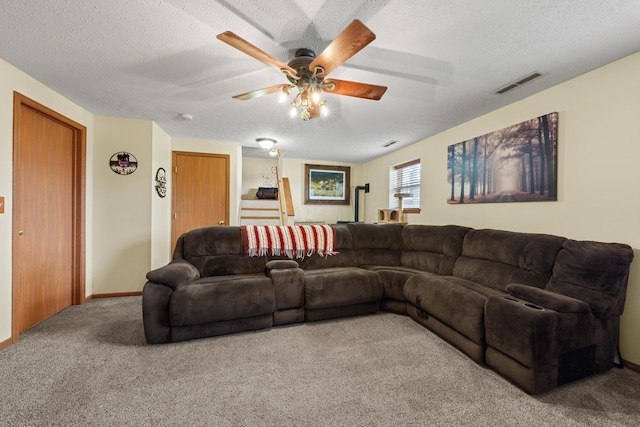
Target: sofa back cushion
[
  {"x": 594, "y": 272},
  {"x": 498, "y": 258},
  {"x": 217, "y": 251},
  {"x": 377, "y": 244},
  {"x": 432, "y": 248},
  {"x": 343, "y": 245}
]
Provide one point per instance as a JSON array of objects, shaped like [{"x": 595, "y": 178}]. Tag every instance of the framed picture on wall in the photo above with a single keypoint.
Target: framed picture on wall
[{"x": 326, "y": 185}]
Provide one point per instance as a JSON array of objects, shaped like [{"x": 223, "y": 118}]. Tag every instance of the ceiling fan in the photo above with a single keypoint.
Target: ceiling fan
[{"x": 307, "y": 72}]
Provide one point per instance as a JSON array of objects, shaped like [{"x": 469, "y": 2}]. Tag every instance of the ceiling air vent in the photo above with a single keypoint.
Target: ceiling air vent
[
  {"x": 390, "y": 143},
  {"x": 524, "y": 80}
]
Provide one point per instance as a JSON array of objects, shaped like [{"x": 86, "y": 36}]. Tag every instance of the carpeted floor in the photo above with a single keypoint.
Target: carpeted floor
[{"x": 90, "y": 365}]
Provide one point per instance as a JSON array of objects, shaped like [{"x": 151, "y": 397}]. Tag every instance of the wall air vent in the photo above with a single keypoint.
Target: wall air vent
[
  {"x": 521, "y": 81},
  {"x": 390, "y": 143}
]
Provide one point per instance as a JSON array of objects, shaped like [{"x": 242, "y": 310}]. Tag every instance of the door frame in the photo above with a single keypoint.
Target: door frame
[{"x": 79, "y": 203}]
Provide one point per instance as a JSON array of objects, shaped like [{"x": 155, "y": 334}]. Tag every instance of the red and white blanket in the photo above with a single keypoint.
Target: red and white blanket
[{"x": 294, "y": 241}]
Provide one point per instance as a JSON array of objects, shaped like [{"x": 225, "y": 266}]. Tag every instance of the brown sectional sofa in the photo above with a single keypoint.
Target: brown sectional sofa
[{"x": 540, "y": 310}]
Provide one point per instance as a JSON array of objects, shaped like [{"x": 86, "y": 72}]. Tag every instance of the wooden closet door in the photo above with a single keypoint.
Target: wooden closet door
[
  {"x": 200, "y": 191},
  {"x": 46, "y": 197}
]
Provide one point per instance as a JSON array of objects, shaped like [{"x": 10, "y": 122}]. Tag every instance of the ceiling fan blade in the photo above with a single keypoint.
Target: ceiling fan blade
[
  {"x": 358, "y": 90},
  {"x": 244, "y": 46},
  {"x": 349, "y": 42},
  {"x": 261, "y": 92}
]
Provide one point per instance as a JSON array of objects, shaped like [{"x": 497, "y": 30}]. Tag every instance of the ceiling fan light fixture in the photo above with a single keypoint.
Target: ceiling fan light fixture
[
  {"x": 266, "y": 143},
  {"x": 308, "y": 103},
  {"x": 286, "y": 91}
]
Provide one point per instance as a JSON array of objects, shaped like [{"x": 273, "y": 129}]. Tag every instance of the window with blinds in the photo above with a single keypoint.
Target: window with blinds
[{"x": 405, "y": 179}]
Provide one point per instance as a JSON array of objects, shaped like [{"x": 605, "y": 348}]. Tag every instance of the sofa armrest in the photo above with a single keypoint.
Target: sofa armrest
[
  {"x": 547, "y": 299},
  {"x": 288, "y": 283},
  {"x": 277, "y": 264},
  {"x": 176, "y": 273},
  {"x": 156, "y": 299}
]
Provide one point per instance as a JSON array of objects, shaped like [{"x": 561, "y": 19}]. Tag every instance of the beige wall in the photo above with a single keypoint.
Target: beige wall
[
  {"x": 12, "y": 79},
  {"x": 253, "y": 171},
  {"x": 122, "y": 206},
  {"x": 598, "y": 152},
  {"x": 161, "y": 246}
]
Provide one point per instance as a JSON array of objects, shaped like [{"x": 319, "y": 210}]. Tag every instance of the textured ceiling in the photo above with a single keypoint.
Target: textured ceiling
[{"x": 440, "y": 59}]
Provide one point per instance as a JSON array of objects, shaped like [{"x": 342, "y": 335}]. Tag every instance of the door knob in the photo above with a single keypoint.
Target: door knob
[
  {"x": 21, "y": 232},
  {"x": 220, "y": 222}
]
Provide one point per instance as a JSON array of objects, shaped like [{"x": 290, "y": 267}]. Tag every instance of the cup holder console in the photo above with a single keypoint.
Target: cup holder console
[{"x": 526, "y": 304}]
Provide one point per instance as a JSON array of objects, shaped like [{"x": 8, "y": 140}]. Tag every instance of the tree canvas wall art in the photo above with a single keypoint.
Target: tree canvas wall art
[{"x": 516, "y": 164}]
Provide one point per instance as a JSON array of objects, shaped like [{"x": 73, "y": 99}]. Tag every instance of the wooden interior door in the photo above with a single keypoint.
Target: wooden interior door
[
  {"x": 48, "y": 213},
  {"x": 200, "y": 191}
]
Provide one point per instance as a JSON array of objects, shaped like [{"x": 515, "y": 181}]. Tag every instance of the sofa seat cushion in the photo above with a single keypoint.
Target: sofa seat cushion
[
  {"x": 458, "y": 303},
  {"x": 397, "y": 268},
  {"x": 344, "y": 258},
  {"x": 339, "y": 287},
  {"x": 393, "y": 279},
  {"x": 218, "y": 298}
]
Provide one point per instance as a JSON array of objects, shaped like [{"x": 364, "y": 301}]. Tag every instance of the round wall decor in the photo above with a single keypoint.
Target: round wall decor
[
  {"x": 123, "y": 163},
  {"x": 161, "y": 181}
]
